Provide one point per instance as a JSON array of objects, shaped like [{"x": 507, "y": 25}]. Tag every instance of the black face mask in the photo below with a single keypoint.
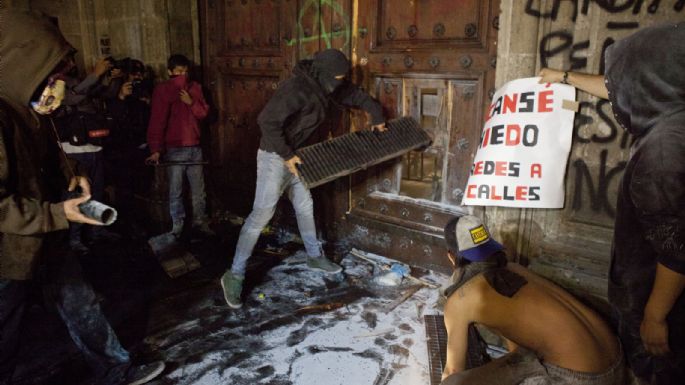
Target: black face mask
[
  {"x": 328, "y": 82},
  {"x": 73, "y": 72},
  {"x": 504, "y": 281}
]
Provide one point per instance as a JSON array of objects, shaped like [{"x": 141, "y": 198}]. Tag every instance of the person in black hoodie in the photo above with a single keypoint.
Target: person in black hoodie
[
  {"x": 645, "y": 84},
  {"x": 33, "y": 171},
  {"x": 290, "y": 117}
]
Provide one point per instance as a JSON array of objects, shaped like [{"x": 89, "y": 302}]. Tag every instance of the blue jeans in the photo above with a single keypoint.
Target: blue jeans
[
  {"x": 78, "y": 307},
  {"x": 273, "y": 178},
  {"x": 196, "y": 181}
]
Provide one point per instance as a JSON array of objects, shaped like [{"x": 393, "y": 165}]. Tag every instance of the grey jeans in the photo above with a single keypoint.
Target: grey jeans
[
  {"x": 523, "y": 367},
  {"x": 273, "y": 178},
  {"x": 196, "y": 182}
]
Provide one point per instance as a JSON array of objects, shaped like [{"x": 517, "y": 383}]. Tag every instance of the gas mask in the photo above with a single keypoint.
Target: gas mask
[{"x": 51, "y": 97}]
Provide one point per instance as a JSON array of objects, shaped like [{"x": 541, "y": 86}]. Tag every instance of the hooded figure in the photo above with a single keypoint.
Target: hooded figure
[
  {"x": 329, "y": 67},
  {"x": 645, "y": 78},
  {"x": 33, "y": 174},
  {"x": 300, "y": 103},
  {"x": 290, "y": 117},
  {"x": 31, "y": 49}
]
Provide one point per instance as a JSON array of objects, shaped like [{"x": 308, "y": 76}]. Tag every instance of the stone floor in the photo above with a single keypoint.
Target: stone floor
[{"x": 297, "y": 327}]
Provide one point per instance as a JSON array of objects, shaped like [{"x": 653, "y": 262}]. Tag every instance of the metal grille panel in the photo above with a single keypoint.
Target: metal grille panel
[
  {"x": 346, "y": 154},
  {"x": 436, "y": 338}
]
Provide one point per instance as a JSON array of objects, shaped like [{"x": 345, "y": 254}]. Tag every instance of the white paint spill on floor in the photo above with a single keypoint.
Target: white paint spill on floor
[{"x": 268, "y": 342}]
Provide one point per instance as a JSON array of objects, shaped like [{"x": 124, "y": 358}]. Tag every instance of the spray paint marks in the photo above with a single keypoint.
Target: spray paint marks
[
  {"x": 600, "y": 148},
  {"x": 311, "y": 19},
  {"x": 583, "y": 6}
]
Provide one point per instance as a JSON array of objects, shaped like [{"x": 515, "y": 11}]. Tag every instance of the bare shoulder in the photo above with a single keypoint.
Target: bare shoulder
[{"x": 468, "y": 299}]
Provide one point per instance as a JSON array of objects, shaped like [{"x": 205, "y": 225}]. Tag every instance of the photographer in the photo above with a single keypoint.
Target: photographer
[
  {"x": 129, "y": 110},
  {"x": 129, "y": 103},
  {"x": 83, "y": 127}
]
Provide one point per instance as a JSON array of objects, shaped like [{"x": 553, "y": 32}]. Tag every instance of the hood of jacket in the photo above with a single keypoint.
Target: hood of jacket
[
  {"x": 31, "y": 47},
  {"x": 644, "y": 76},
  {"x": 305, "y": 70},
  {"x": 328, "y": 64}
]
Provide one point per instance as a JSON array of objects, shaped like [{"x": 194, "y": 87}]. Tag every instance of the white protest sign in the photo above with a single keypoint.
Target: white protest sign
[{"x": 524, "y": 147}]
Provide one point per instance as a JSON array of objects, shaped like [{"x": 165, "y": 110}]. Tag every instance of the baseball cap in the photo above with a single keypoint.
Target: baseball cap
[{"x": 469, "y": 238}]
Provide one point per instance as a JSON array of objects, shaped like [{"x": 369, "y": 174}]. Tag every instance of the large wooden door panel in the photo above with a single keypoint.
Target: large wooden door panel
[
  {"x": 430, "y": 59},
  {"x": 248, "y": 47},
  {"x": 430, "y": 23},
  {"x": 254, "y": 26},
  {"x": 433, "y": 60}
]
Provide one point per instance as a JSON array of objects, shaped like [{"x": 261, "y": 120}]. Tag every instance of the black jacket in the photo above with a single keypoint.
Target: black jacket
[
  {"x": 129, "y": 121},
  {"x": 300, "y": 105},
  {"x": 646, "y": 87}
]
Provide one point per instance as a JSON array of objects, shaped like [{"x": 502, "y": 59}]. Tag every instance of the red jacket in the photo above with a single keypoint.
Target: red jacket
[{"x": 172, "y": 122}]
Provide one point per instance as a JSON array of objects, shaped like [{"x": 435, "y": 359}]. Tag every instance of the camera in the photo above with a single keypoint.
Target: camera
[
  {"x": 136, "y": 88},
  {"x": 116, "y": 64},
  {"x": 127, "y": 65}
]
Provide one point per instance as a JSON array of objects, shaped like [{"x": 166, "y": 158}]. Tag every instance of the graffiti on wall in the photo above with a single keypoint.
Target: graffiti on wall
[
  {"x": 597, "y": 186},
  {"x": 611, "y": 6},
  {"x": 593, "y": 178},
  {"x": 311, "y": 19}
]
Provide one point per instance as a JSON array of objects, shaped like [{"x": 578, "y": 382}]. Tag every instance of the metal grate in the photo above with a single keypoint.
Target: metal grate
[
  {"x": 346, "y": 154},
  {"x": 437, "y": 346},
  {"x": 436, "y": 333}
]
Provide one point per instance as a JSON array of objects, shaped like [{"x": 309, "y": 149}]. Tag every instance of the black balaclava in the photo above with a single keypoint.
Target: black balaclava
[{"x": 328, "y": 64}]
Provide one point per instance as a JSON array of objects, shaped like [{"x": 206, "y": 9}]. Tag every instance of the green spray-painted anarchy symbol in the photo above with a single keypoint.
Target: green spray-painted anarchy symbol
[{"x": 317, "y": 6}]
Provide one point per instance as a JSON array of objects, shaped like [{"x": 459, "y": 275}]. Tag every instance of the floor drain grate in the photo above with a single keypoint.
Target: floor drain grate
[{"x": 437, "y": 346}]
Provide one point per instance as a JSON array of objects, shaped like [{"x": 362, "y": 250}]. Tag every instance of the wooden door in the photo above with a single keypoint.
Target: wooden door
[
  {"x": 433, "y": 60},
  {"x": 248, "y": 47}
]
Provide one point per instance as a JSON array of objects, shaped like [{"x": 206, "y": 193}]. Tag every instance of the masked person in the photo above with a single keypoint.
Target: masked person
[
  {"x": 177, "y": 107},
  {"x": 552, "y": 337},
  {"x": 33, "y": 172},
  {"x": 290, "y": 117},
  {"x": 645, "y": 84}
]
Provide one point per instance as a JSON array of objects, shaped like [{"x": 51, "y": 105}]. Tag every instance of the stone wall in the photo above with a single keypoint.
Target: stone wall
[
  {"x": 575, "y": 241},
  {"x": 149, "y": 30}
]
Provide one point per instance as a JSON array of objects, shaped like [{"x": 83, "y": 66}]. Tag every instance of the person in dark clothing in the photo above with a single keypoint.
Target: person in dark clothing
[
  {"x": 33, "y": 173},
  {"x": 290, "y": 117},
  {"x": 129, "y": 107},
  {"x": 126, "y": 150},
  {"x": 82, "y": 127},
  {"x": 645, "y": 84}
]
